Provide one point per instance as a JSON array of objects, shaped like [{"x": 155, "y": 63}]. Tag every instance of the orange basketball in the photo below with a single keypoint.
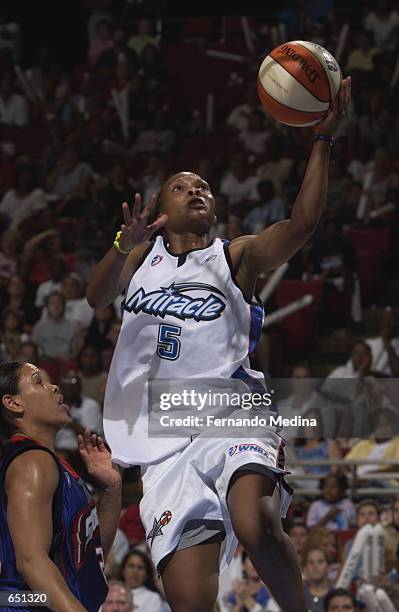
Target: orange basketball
[{"x": 296, "y": 82}]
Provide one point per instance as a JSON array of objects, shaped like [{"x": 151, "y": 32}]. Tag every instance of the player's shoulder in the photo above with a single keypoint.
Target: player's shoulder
[{"x": 35, "y": 467}]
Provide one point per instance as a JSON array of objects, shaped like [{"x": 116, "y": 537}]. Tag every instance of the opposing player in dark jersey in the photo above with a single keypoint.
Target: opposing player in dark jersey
[
  {"x": 192, "y": 486},
  {"x": 53, "y": 539}
]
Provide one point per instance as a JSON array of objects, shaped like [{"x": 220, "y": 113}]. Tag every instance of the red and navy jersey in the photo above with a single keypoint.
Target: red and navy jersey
[{"x": 76, "y": 544}]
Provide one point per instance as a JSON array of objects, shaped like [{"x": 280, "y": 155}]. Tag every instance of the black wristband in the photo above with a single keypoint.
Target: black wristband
[{"x": 325, "y": 138}]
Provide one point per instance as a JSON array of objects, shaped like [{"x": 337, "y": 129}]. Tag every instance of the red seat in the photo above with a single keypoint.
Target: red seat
[
  {"x": 371, "y": 239},
  {"x": 302, "y": 327}
]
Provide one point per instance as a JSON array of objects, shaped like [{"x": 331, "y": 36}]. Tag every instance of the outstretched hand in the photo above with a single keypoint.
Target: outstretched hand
[
  {"x": 339, "y": 106},
  {"x": 98, "y": 460},
  {"x": 135, "y": 230}
]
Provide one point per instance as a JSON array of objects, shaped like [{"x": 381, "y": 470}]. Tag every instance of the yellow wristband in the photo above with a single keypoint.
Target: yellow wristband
[{"x": 118, "y": 246}]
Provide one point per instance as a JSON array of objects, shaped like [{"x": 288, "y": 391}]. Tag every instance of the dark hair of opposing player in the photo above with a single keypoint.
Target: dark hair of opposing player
[
  {"x": 338, "y": 593},
  {"x": 149, "y": 580},
  {"x": 9, "y": 385}
]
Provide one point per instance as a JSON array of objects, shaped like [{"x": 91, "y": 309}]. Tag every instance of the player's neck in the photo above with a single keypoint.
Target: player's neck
[
  {"x": 181, "y": 243},
  {"x": 42, "y": 437}
]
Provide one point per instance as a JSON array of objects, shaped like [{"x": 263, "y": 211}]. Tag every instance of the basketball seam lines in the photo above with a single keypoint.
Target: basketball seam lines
[
  {"x": 320, "y": 64},
  {"x": 303, "y": 85},
  {"x": 297, "y": 110}
]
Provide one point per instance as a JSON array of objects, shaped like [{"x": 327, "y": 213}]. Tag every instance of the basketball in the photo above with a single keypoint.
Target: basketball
[{"x": 297, "y": 81}]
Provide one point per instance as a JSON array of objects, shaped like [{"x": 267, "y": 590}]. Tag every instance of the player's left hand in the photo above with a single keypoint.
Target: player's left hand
[
  {"x": 339, "y": 106},
  {"x": 98, "y": 460}
]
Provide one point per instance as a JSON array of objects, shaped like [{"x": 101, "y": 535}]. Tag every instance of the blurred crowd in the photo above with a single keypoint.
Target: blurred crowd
[{"x": 144, "y": 103}]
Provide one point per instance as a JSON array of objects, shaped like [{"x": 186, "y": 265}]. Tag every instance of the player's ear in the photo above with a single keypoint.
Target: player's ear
[{"x": 13, "y": 404}]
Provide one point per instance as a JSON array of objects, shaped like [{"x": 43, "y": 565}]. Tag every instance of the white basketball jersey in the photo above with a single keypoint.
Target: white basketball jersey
[{"x": 184, "y": 317}]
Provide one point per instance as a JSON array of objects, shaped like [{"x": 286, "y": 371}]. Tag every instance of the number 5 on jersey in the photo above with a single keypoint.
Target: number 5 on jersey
[{"x": 168, "y": 346}]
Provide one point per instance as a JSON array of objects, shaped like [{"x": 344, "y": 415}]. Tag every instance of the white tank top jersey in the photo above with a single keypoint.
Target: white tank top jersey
[{"x": 183, "y": 317}]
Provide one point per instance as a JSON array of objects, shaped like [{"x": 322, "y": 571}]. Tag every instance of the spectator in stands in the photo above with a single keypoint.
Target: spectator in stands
[
  {"x": 321, "y": 537},
  {"x": 361, "y": 57},
  {"x": 311, "y": 445},
  {"x": 238, "y": 184},
  {"x": 119, "y": 189},
  {"x": 10, "y": 250},
  {"x": 91, "y": 375},
  {"x": 153, "y": 176},
  {"x": 55, "y": 336},
  {"x": 358, "y": 365},
  {"x": 138, "y": 574},
  {"x": 383, "y": 444},
  {"x": 334, "y": 510},
  {"x": 317, "y": 584},
  {"x": 97, "y": 334},
  {"x": 277, "y": 168},
  {"x": 16, "y": 297},
  {"x": 268, "y": 210},
  {"x": 150, "y": 68},
  {"x": 255, "y": 136},
  {"x": 239, "y": 117},
  {"x": 77, "y": 309},
  {"x": 102, "y": 42},
  {"x": 11, "y": 334},
  {"x": 385, "y": 347},
  {"x": 68, "y": 172},
  {"x": 143, "y": 37},
  {"x": 392, "y": 539},
  {"x": 119, "y": 598},
  {"x": 234, "y": 227},
  {"x": 25, "y": 199},
  {"x": 383, "y": 22},
  {"x": 40, "y": 251},
  {"x": 367, "y": 513},
  {"x": 58, "y": 271},
  {"x": 13, "y": 106},
  {"x": 298, "y": 533},
  {"x": 249, "y": 592},
  {"x": 339, "y": 600},
  {"x": 118, "y": 52},
  {"x": 84, "y": 411},
  {"x": 28, "y": 353},
  {"x": 158, "y": 136}
]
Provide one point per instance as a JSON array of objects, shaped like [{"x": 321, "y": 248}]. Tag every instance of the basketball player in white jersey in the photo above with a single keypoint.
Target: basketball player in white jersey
[{"x": 189, "y": 312}]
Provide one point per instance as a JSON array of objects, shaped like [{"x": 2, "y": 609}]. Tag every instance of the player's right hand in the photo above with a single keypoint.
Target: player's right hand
[{"x": 135, "y": 230}]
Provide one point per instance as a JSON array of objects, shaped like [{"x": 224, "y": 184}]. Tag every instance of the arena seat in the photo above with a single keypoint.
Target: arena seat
[{"x": 301, "y": 329}]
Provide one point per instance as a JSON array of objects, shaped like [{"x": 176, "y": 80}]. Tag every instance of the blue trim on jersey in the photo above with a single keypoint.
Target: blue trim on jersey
[
  {"x": 255, "y": 329},
  {"x": 253, "y": 383}
]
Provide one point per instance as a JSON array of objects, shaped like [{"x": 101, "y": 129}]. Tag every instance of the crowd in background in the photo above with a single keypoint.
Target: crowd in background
[{"x": 68, "y": 161}]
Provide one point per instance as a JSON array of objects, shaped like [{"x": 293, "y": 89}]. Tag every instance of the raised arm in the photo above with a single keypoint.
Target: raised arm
[
  {"x": 113, "y": 273},
  {"x": 279, "y": 242},
  {"x": 31, "y": 481}
]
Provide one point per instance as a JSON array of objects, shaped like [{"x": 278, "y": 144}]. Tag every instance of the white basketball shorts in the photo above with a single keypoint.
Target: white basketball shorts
[{"x": 184, "y": 501}]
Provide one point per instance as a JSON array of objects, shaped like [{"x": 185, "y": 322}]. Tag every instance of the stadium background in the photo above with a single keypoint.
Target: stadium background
[{"x": 68, "y": 160}]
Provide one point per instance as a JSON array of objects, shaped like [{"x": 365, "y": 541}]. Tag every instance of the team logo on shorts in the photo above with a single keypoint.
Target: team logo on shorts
[
  {"x": 156, "y": 530},
  {"x": 156, "y": 260},
  {"x": 242, "y": 448}
]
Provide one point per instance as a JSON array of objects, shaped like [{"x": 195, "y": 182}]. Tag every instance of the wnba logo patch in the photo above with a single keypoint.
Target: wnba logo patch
[
  {"x": 156, "y": 260},
  {"x": 244, "y": 448},
  {"x": 157, "y": 526}
]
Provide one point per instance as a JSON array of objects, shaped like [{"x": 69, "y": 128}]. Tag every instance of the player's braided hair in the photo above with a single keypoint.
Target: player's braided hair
[{"x": 9, "y": 385}]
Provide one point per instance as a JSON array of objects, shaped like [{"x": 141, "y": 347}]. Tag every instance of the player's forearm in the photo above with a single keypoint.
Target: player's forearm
[
  {"x": 41, "y": 574},
  {"x": 103, "y": 286},
  {"x": 311, "y": 198},
  {"x": 109, "y": 509}
]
